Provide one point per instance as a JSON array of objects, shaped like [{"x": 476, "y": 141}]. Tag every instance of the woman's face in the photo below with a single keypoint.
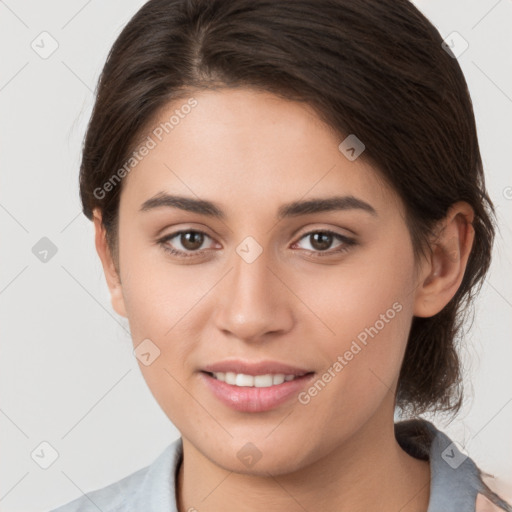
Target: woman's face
[{"x": 260, "y": 285}]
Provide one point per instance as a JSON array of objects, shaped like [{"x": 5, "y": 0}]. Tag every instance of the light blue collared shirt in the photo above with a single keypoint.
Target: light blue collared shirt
[{"x": 454, "y": 485}]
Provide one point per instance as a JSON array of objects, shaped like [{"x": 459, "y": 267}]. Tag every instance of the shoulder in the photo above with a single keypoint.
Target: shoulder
[
  {"x": 483, "y": 504},
  {"x": 109, "y": 498},
  {"x": 152, "y": 486},
  {"x": 498, "y": 488},
  {"x": 456, "y": 481}
]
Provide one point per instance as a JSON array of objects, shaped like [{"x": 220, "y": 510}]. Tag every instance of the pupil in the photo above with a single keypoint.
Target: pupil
[
  {"x": 323, "y": 243},
  {"x": 192, "y": 240}
]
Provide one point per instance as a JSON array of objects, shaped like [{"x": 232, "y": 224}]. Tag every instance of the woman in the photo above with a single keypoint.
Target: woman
[{"x": 290, "y": 210}]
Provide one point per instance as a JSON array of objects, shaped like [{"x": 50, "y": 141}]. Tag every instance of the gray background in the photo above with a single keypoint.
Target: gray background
[{"x": 67, "y": 373}]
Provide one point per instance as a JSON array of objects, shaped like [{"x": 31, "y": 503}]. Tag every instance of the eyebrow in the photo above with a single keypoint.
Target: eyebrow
[{"x": 293, "y": 209}]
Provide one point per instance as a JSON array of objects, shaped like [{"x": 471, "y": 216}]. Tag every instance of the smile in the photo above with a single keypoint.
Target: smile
[
  {"x": 248, "y": 393},
  {"x": 257, "y": 381}
]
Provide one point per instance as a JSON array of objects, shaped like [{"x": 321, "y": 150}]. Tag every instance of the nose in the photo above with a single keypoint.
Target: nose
[{"x": 253, "y": 303}]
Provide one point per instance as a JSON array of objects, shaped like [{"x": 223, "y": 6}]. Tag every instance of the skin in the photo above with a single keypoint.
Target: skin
[{"x": 250, "y": 152}]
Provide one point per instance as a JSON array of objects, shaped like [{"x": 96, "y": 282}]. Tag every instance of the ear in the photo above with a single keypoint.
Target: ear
[
  {"x": 109, "y": 268},
  {"x": 443, "y": 270}
]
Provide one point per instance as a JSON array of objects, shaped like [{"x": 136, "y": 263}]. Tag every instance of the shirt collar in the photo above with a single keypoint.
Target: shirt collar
[{"x": 454, "y": 484}]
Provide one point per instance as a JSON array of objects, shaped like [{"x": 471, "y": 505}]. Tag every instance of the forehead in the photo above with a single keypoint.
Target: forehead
[{"x": 247, "y": 147}]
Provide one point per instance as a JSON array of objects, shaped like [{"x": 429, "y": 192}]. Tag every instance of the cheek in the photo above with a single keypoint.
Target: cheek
[
  {"x": 161, "y": 300},
  {"x": 368, "y": 310},
  {"x": 158, "y": 294},
  {"x": 368, "y": 293},
  {"x": 160, "y": 304}
]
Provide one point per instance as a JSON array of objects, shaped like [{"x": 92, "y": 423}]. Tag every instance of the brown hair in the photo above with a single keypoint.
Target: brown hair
[{"x": 374, "y": 68}]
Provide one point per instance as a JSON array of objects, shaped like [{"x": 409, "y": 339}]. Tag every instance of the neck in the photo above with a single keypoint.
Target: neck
[{"x": 368, "y": 471}]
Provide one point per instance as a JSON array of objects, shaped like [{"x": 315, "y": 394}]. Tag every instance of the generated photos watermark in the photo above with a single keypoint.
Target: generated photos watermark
[
  {"x": 355, "y": 348},
  {"x": 151, "y": 142}
]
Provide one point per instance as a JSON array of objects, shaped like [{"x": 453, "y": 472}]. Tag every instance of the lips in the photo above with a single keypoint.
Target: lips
[
  {"x": 254, "y": 368},
  {"x": 254, "y": 387}
]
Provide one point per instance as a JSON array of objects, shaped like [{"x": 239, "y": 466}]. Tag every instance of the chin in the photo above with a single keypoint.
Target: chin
[
  {"x": 274, "y": 457},
  {"x": 269, "y": 464}
]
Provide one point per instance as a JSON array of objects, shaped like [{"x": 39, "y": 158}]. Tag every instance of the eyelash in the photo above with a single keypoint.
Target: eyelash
[{"x": 347, "y": 243}]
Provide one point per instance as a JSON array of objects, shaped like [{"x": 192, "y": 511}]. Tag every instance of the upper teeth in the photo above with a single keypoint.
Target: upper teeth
[{"x": 258, "y": 381}]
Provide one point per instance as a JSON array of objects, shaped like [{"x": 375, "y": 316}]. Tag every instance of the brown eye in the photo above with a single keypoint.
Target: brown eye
[
  {"x": 191, "y": 240},
  {"x": 185, "y": 243},
  {"x": 322, "y": 240}
]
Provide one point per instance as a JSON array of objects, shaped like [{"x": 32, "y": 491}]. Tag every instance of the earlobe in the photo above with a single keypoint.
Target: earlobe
[
  {"x": 443, "y": 271},
  {"x": 109, "y": 267}
]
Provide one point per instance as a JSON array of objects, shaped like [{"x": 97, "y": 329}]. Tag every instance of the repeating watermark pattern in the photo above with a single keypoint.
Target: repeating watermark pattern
[
  {"x": 249, "y": 249},
  {"x": 454, "y": 45},
  {"x": 305, "y": 397},
  {"x": 249, "y": 455},
  {"x": 454, "y": 455},
  {"x": 44, "y": 455},
  {"x": 44, "y": 250},
  {"x": 351, "y": 147},
  {"x": 45, "y": 45},
  {"x": 157, "y": 135},
  {"x": 146, "y": 352}
]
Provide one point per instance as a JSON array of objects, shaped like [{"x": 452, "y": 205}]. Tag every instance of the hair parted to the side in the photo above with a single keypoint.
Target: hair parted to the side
[{"x": 374, "y": 68}]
